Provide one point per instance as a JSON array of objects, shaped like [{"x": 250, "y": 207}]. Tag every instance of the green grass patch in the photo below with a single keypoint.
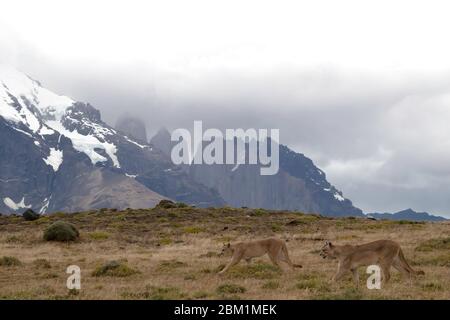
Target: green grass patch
[
  {"x": 169, "y": 265},
  {"x": 440, "y": 260},
  {"x": 230, "y": 288},
  {"x": 8, "y": 261},
  {"x": 42, "y": 264},
  {"x": 114, "y": 269},
  {"x": 259, "y": 212},
  {"x": 434, "y": 244},
  {"x": 432, "y": 286},
  {"x": 165, "y": 241},
  {"x": 193, "y": 230},
  {"x": 255, "y": 270},
  {"x": 200, "y": 295},
  {"x": 270, "y": 285}
]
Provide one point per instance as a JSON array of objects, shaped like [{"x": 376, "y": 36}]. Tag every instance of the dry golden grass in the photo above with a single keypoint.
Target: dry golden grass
[{"x": 173, "y": 255}]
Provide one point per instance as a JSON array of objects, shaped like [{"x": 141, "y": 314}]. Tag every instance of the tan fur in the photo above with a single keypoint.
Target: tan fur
[
  {"x": 384, "y": 253},
  {"x": 275, "y": 248}
]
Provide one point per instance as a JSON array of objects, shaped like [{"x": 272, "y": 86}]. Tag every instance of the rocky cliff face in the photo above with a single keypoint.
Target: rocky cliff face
[
  {"x": 132, "y": 127},
  {"x": 58, "y": 154},
  {"x": 299, "y": 184}
]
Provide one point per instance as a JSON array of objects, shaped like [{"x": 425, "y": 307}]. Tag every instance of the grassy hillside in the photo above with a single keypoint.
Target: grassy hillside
[{"x": 172, "y": 254}]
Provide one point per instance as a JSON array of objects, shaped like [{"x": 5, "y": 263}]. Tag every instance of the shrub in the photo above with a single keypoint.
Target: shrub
[
  {"x": 30, "y": 215},
  {"x": 114, "y": 269},
  {"x": 9, "y": 262},
  {"x": 42, "y": 263},
  {"x": 165, "y": 241},
  {"x": 61, "y": 231},
  {"x": 168, "y": 204},
  {"x": 200, "y": 295},
  {"x": 230, "y": 288},
  {"x": 432, "y": 286},
  {"x": 259, "y": 212},
  {"x": 271, "y": 285}
]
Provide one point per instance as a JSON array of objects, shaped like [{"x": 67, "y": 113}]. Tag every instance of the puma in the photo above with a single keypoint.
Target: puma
[
  {"x": 276, "y": 250},
  {"x": 384, "y": 253}
]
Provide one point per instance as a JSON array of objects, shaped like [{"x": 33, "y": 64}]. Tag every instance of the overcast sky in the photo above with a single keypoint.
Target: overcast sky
[{"x": 361, "y": 87}]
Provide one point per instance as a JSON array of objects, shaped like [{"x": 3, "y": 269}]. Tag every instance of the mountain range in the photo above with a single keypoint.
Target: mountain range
[
  {"x": 57, "y": 154},
  {"x": 408, "y": 214}
]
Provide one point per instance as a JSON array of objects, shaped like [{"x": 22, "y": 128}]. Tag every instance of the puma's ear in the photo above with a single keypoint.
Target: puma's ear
[
  {"x": 229, "y": 245},
  {"x": 330, "y": 244}
]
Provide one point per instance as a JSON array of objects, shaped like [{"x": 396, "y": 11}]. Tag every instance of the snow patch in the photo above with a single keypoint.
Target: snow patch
[
  {"x": 338, "y": 197},
  {"x": 134, "y": 142},
  {"x": 21, "y": 131},
  {"x": 45, "y": 206},
  {"x": 54, "y": 159},
  {"x": 46, "y": 131},
  {"x": 15, "y": 206},
  {"x": 131, "y": 175},
  {"x": 87, "y": 144},
  {"x": 7, "y": 111}
]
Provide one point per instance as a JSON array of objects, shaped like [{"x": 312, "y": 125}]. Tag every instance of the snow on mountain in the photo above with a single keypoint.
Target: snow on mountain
[
  {"x": 16, "y": 206},
  {"x": 87, "y": 144},
  {"x": 54, "y": 159},
  {"x": 24, "y": 101},
  {"x": 58, "y": 154},
  {"x": 18, "y": 88}
]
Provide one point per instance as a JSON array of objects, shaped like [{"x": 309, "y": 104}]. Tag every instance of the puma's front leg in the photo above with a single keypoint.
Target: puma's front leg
[
  {"x": 340, "y": 273},
  {"x": 355, "y": 276},
  {"x": 234, "y": 260}
]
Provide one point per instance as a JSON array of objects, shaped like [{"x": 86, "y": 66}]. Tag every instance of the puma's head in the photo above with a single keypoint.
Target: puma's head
[
  {"x": 226, "y": 249},
  {"x": 328, "y": 251}
]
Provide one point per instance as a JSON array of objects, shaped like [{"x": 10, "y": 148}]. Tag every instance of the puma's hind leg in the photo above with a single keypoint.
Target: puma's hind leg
[
  {"x": 275, "y": 259},
  {"x": 355, "y": 276}
]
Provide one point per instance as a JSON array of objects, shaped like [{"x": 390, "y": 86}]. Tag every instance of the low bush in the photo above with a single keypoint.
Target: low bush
[
  {"x": 114, "y": 269},
  {"x": 61, "y": 231}
]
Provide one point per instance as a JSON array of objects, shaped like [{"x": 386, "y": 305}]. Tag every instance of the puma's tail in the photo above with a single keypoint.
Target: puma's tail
[{"x": 407, "y": 266}]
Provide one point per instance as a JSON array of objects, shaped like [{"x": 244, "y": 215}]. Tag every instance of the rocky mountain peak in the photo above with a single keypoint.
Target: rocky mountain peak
[{"x": 132, "y": 127}]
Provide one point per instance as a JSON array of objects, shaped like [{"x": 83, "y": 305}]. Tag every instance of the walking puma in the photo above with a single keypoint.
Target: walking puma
[
  {"x": 384, "y": 253},
  {"x": 275, "y": 248}
]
